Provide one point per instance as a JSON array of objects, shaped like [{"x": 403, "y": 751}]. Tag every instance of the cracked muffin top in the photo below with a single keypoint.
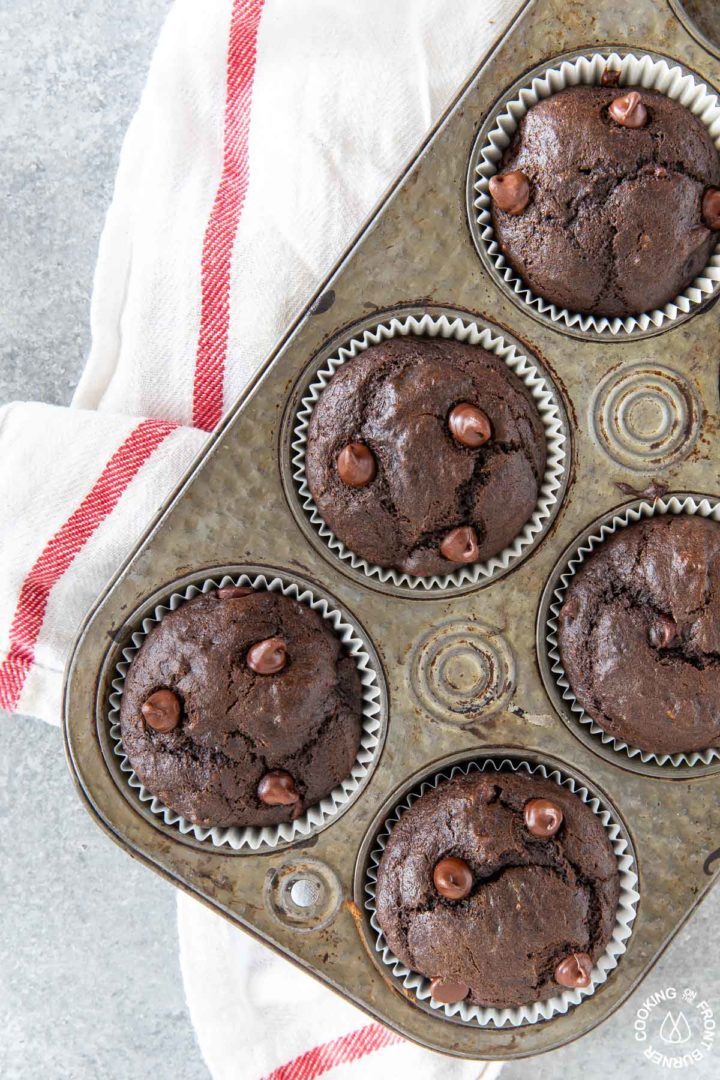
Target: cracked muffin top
[
  {"x": 501, "y": 888},
  {"x": 425, "y": 454},
  {"x": 607, "y": 202},
  {"x": 639, "y": 634},
  {"x": 241, "y": 708}
]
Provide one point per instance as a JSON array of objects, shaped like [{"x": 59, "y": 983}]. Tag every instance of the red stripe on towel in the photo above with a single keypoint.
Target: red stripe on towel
[
  {"x": 63, "y": 547},
  {"x": 341, "y": 1051},
  {"x": 224, "y": 217}
]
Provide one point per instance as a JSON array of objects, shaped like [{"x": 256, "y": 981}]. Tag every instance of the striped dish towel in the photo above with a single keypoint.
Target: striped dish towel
[{"x": 265, "y": 134}]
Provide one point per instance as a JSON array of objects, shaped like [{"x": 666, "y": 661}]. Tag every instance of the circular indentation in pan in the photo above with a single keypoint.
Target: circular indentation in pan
[
  {"x": 424, "y": 322},
  {"x": 239, "y": 839},
  {"x": 702, "y": 19},
  {"x": 462, "y": 672},
  {"x": 646, "y": 416},
  {"x": 571, "y": 69},
  {"x": 303, "y": 894},
  {"x": 415, "y": 986},
  {"x": 580, "y": 723}
]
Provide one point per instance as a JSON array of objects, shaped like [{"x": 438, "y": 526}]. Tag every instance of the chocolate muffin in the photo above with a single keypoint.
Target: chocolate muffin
[
  {"x": 607, "y": 200},
  {"x": 425, "y": 454},
  {"x": 241, "y": 708},
  {"x": 501, "y": 888},
  {"x": 639, "y": 634}
]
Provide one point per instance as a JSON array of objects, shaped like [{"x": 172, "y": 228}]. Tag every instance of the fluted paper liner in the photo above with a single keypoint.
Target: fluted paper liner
[
  {"x": 486, "y": 1016},
  {"x": 256, "y": 838},
  {"x": 665, "y": 76},
  {"x": 670, "y": 504},
  {"x": 546, "y": 401}
]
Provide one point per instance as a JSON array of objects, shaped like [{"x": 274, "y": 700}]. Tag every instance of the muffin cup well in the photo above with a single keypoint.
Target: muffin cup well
[
  {"x": 669, "y": 504},
  {"x": 652, "y": 73},
  {"x": 547, "y": 402},
  {"x": 257, "y": 838},
  {"x": 484, "y": 1016}
]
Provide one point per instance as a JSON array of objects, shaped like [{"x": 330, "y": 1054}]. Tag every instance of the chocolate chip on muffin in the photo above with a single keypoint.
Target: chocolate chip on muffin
[
  {"x": 639, "y": 634},
  {"x": 267, "y": 657},
  {"x": 241, "y": 708},
  {"x": 510, "y": 191},
  {"x": 161, "y": 711},
  {"x": 425, "y": 455},
  {"x": 489, "y": 909},
  {"x": 356, "y": 465},
  {"x": 610, "y": 77},
  {"x": 622, "y": 199},
  {"x": 629, "y": 110},
  {"x": 575, "y": 970},
  {"x": 711, "y": 208},
  {"x": 542, "y": 817}
]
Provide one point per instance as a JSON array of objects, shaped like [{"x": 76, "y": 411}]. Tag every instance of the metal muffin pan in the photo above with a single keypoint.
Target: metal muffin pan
[{"x": 461, "y": 671}]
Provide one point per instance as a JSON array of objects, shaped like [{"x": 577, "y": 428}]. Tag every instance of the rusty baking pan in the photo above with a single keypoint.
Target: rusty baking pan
[{"x": 461, "y": 672}]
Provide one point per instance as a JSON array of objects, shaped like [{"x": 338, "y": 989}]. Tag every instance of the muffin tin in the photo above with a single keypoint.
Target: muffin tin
[{"x": 463, "y": 670}]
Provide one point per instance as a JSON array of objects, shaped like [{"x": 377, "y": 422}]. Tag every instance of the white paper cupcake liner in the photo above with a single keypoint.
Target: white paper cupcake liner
[
  {"x": 486, "y": 1016},
  {"x": 669, "y": 504},
  {"x": 664, "y": 76},
  {"x": 543, "y": 394},
  {"x": 257, "y": 838}
]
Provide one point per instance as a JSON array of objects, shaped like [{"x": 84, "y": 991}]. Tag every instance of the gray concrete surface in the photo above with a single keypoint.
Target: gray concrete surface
[
  {"x": 90, "y": 985},
  {"x": 71, "y": 77},
  {"x": 89, "y": 980}
]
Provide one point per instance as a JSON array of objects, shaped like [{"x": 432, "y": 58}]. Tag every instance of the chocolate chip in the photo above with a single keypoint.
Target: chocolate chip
[
  {"x": 662, "y": 632},
  {"x": 460, "y": 545},
  {"x": 510, "y": 191},
  {"x": 711, "y": 208},
  {"x": 277, "y": 788},
  {"x": 453, "y": 878},
  {"x": 609, "y": 77},
  {"x": 542, "y": 817},
  {"x": 356, "y": 465},
  {"x": 469, "y": 425},
  {"x": 267, "y": 657},
  {"x": 448, "y": 991},
  {"x": 233, "y": 592},
  {"x": 574, "y": 970},
  {"x": 629, "y": 111},
  {"x": 161, "y": 711}
]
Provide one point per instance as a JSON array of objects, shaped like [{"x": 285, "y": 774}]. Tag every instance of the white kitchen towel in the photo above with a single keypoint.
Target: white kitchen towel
[
  {"x": 257, "y": 1016},
  {"x": 266, "y": 133}
]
